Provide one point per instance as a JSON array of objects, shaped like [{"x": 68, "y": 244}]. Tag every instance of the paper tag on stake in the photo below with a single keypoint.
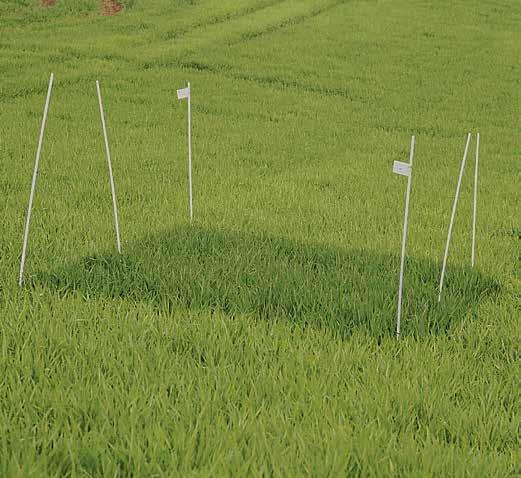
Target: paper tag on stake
[
  {"x": 183, "y": 93},
  {"x": 402, "y": 168}
]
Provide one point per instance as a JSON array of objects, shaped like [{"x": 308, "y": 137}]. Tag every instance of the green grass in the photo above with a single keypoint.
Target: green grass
[{"x": 259, "y": 341}]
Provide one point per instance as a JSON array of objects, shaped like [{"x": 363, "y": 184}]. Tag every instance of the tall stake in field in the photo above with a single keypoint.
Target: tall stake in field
[
  {"x": 454, "y": 206},
  {"x": 181, "y": 94},
  {"x": 404, "y": 169},
  {"x": 114, "y": 203},
  {"x": 33, "y": 185},
  {"x": 475, "y": 203}
]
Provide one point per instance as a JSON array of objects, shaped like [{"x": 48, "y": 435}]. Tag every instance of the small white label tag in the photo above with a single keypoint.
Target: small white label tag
[
  {"x": 402, "y": 168},
  {"x": 183, "y": 93}
]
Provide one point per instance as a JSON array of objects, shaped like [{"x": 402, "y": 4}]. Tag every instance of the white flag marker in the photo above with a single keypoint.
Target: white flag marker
[
  {"x": 33, "y": 185},
  {"x": 114, "y": 203},
  {"x": 404, "y": 169},
  {"x": 475, "y": 203},
  {"x": 454, "y": 206},
  {"x": 182, "y": 94}
]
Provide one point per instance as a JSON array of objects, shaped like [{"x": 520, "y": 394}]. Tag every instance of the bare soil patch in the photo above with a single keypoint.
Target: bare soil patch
[
  {"x": 107, "y": 7},
  {"x": 110, "y": 7}
]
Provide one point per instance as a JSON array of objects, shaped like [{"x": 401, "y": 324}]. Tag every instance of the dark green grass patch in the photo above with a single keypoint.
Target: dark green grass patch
[{"x": 199, "y": 268}]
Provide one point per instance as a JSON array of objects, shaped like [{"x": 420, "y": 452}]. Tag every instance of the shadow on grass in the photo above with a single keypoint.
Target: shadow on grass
[{"x": 195, "y": 268}]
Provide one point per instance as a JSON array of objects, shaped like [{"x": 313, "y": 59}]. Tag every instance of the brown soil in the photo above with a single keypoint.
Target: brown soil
[
  {"x": 110, "y": 7},
  {"x": 107, "y": 7}
]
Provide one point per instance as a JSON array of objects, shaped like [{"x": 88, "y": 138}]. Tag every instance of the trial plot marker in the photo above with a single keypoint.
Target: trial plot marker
[
  {"x": 184, "y": 93},
  {"x": 454, "y": 206},
  {"x": 475, "y": 203},
  {"x": 114, "y": 203},
  {"x": 33, "y": 184},
  {"x": 404, "y": 169}
]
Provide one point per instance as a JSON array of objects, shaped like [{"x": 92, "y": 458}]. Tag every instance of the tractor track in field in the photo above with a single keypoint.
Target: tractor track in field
[
  {"x": 251, "y": 35},
  {"x": 288, "y": 22},
  {"x": 226, "y": 71},
  {"x": 218, "y": 20},
  {"x": 264, "y": 80}
]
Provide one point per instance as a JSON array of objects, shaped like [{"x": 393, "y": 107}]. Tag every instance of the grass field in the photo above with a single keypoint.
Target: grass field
[{"x": 259, "y": 341}]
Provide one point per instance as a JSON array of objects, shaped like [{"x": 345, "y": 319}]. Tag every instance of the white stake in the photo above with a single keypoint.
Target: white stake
[
  {"x": 404, "y": 169},
  {"x": 190, "y": 151},
  {"x": 116, "y": 222},
  {"x": 33, "y": 185},
  {"x": 475, "y": 203},
  {"x": 181, "y": 94},
  {"x": 454, "y": 206}
]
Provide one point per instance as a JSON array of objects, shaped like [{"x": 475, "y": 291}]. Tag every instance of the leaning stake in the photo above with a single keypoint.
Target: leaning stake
[
  {"x": 33, "y": 185},
  {"x": 404, "y": 169},
  {"x": 114, "y": 203},
  {"x": 181, "y": 94},
  {"x": 475, "y": 203},
  {"x": 454, "y": 206}
]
